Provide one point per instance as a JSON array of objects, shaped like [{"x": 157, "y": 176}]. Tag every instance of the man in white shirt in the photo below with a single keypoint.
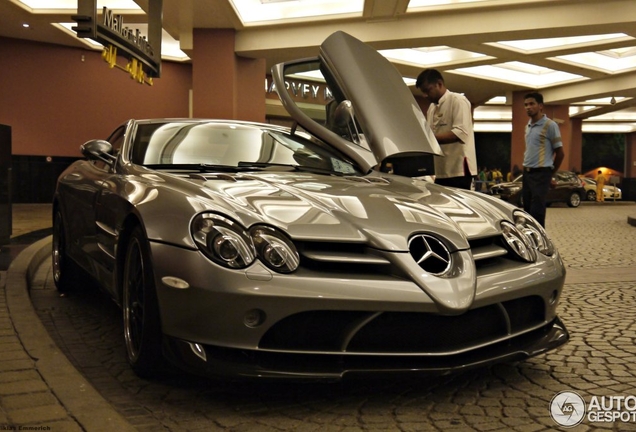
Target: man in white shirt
[{"x": 450, "y": 117}]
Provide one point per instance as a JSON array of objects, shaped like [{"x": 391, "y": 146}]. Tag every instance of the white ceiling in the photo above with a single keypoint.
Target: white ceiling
[{"x": 576, "y": 52}]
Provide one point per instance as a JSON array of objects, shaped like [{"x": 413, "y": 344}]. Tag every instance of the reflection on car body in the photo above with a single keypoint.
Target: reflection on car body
[{"x": 255, "y": 250}]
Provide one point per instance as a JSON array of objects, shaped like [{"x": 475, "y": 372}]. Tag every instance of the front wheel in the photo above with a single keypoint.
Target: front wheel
[
  {"x": 61, "y": 264},
  {"x": 591, "y": 195},
  {"x": 142, "y": 324},
  {"x": 575, "y": 200}
]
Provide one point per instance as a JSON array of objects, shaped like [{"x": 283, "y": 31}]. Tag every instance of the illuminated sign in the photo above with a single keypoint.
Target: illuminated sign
[
  {"x": 303, "y": 90},
  {"x": 143, "y": 53}
]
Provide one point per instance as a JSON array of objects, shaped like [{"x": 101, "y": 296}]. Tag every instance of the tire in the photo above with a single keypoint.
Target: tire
[
  {"x": 591, "y": 195},
  {"x": 142, "y": 324},
  {"x": 62, "y": 267},
  {"x": 574, "y": 200}
]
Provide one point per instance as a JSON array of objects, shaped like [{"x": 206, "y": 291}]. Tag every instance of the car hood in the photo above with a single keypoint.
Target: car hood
[
  {"x": 507, "y": 185},
  {"x": 380, "y": 211}
]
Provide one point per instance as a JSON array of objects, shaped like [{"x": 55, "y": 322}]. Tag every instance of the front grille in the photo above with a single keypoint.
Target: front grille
[
  {"x": 348, "y": 258},
  {"x": 359, "y": 260},
  {"x": 486, "y": 249},
  {"x": 403, "y": 332}
]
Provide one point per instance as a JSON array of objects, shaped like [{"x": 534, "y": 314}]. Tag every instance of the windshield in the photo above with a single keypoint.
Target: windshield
[{"x": 220, "y": 144}]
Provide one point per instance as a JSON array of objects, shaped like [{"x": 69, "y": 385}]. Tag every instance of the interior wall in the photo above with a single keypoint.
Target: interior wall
[{"x": 55, "y": 98}]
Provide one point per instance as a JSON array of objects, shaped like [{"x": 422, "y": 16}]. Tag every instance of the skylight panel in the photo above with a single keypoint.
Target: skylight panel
[
  {"x": 537, "y": 45},
  {"x": 430, "y": 56},
  {"x": 261, "y": 11},
  {"x": 608, "y": 61},
  {"x": 522, "y": 74},
  {"x": 419, "y": 4}
]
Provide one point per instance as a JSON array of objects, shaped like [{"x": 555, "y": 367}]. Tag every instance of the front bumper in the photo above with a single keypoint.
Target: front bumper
[
  {"x": 325, "y": 324},
  {"x": 214, "y": 361}
]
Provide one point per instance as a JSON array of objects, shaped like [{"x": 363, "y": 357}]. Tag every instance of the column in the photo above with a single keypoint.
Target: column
[
  {"x": 629, "y": 180},
  {"x": 224, "y": 85},
  {"x": 576, "y": 145}
]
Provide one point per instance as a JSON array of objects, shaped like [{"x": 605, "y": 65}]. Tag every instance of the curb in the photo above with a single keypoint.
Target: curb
[
  {"x": 631, "y": 220},
  {"x": 74, "y": 392}
]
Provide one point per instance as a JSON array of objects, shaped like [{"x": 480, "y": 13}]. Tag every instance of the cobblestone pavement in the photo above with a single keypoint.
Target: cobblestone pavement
[{"x": 599, "y": 360}]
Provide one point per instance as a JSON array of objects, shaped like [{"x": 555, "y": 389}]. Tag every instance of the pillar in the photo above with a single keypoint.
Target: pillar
[
  {"x": 518, "y": 135},
  {"x": 630, "y": 155},
  {"x": 224, "y": 85},
  {"x": 629, "y": 176},
  {"x": 576, "y": 145}
]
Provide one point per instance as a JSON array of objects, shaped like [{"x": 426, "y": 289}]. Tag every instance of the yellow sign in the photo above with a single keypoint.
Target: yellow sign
[{"x": 134, "y": 67}]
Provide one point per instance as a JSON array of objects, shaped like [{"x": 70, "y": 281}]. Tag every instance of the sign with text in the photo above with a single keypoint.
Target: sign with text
[{"x": 143, "y": 52}]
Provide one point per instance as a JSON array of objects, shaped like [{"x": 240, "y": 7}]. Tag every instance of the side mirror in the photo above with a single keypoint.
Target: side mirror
[
  {"x": 98, "y": 150},
  {"x": 344, "y": 117},
  {"x": 343, "y": 114}
]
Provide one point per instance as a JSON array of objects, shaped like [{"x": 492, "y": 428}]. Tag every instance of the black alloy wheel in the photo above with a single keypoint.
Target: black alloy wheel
[
  {"x": 591, "y": 195},
  {"x": 61, "y": 266},
  {"x": 142, "y": 325}
]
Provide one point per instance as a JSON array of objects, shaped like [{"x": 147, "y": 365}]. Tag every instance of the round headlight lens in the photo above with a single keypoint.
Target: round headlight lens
[
  {"x": 226, "y": 247},
  {"x": 222, "y": 240},
  {"x": 274, "y": 249}
]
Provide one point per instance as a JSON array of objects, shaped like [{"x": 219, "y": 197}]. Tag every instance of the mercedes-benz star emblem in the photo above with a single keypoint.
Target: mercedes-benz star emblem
[{"x": 430, "y": 254}]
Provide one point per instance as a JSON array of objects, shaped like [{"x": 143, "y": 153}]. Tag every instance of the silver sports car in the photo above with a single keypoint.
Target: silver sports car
[{"x": 313, "y": 252}]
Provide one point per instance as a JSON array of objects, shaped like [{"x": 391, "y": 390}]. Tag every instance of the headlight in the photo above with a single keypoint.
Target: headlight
[
  {"x": 274, "y": 249},
  {"x": 534, "y": 232},
  {"x": 518, "y": 242},
  {"x": 227, "y": 243},
  {"x": 223, "y": 241}
]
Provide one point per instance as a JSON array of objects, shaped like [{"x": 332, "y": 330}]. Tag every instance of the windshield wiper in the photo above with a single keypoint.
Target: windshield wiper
[
  {"x": 261, "y": 165},
  {"x": 201, "y": 167},
  {"x": 303, "y": 168}
]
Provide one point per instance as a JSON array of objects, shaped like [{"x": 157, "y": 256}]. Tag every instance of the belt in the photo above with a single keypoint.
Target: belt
[{"x": 540, "y": 169}]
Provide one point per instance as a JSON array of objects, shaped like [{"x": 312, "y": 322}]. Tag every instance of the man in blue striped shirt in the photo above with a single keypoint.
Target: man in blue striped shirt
[{"x": 542, "y": 158}]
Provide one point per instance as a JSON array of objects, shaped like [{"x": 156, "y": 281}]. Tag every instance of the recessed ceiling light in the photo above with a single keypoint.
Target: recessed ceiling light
[{"x": 25, "y": 25}]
